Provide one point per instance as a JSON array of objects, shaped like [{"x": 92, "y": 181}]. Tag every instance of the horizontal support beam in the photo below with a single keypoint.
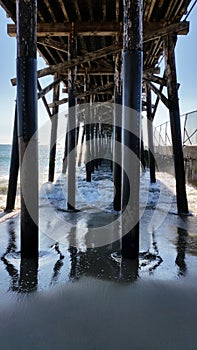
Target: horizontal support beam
[
  {"x": 151, "y": 30},
  {"x": 94, "y": 91},
  {"x": 162, "y": 97},
  {"x": 110, "y": 71},
  {"x": 98, "y": 71},
  {"x": 65, "y": 28},
  {"x": 181, "y": 28}
]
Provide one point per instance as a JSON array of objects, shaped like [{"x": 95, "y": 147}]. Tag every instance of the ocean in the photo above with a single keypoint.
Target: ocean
[{"x": 91, "y": 195}]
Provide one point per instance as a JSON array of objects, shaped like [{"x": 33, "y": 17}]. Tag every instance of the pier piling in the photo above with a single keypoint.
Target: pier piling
[
  {"x": 175, "y": 124},
  {"x": 132, "y": 89},
  {"x": 54, "y": 126},
  {"x": 14, "y": 167},
  {"x": 27, "y": 124},
  {"x": 71, "y": 136}
]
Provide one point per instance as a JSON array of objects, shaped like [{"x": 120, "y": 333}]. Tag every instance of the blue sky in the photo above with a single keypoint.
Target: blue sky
[{"x": 186, "y": 74}]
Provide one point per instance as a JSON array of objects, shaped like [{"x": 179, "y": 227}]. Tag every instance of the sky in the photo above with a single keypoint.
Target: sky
[{"x": 186, "y": 76}]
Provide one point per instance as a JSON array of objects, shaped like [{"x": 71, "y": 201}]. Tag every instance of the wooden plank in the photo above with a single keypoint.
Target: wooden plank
[
  {"x": 181, "y": 28},
  {"x": 91, "y": 56},
  {"x": 64, "y": 29},
  {"x": 151, "y": 30}
]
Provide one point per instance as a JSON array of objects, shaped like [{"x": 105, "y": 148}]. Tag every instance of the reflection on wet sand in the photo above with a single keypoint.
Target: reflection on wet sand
[{"x": 181, "y": 248}]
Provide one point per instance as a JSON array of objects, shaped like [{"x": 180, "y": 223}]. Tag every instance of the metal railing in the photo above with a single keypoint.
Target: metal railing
[{"x": 162, "y": 134}]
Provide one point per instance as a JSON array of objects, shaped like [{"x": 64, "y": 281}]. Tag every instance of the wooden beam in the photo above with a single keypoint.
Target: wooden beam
[
  {"x": 155, "y": 79},
  {"x": 53, "y": 43},
  {"x": 98, "y": 71},
  {"x": 96, "y": 90},
  {"x": 151, "y": 30},
  {"x": 162, "y": 97},
  {"x": 44, "y": 101},
  {"x": 64, "y": 29},
  {"x": 91, "y": 56},
  {"x": 181, "y": 28},
  {"x": 43, "y": 92},
  {"x": 158, "y": 99},
  {"x": 151, "y": 70}
]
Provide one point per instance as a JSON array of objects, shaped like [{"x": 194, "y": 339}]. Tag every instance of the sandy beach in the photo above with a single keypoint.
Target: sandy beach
[{"x": 81, "y": 298}]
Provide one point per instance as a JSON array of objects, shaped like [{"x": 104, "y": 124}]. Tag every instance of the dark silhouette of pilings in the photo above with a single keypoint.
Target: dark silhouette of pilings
[
  {"x": 71, "y": 135},
  {"x": 169, "y": 43},
  {"x": 27, "y": 124},
  {"x": 81, "y": 146},
  {"x": 92, "y": 134},
  {"x": 88, "y": 137},
  {"x": 117, "y": 152},
  {"x": 14, "y": 167},
  {"x": 132, "y": 88},
  {"x": 54, "y": 126},
  {"x": 65, "y": 161},
  {"x": 150, "y": 135}
]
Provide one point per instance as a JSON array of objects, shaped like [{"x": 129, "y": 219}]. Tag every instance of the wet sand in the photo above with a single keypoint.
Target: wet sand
[{"x": 88, "y": 300}]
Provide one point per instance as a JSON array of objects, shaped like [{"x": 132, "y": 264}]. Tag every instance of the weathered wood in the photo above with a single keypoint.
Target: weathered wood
[
  {"x": 158, "y": 99},
  {"x": 98, "y": 71},
  {"x": 58, "y": 103},
  {"x": 151, "y": 30},
  {"x": 53, "y": 44},
  {"x": 152, "y": 70},
  {"x": 44, "y": 101},
  {"x": 54, "y": 125},
  {"x": 84, "y": 94},
  {"x": 150, "y": 135},
  {"x": 91, "y": 56},
  {"x": 49, "y": 87},
  {"x": 65, "y": 28},
  {"x": 181, "y": 28},
  {"x": 155, "y": 79},
  {"x": 81, "y": 147},
  {"x": 162, "y": 97},
  {"x": 182, "y": 204},
  {"x": 61, "y": 2}
]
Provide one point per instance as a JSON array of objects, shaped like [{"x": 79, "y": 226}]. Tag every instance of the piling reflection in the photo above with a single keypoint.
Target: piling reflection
[
  {"x": 28, "y": 279},
  {"x": 58, "y": 265},
  {"x": 11, "y": 249},
  {"x": 98, "y": 263},
  {"x": 181, "y": 248}
]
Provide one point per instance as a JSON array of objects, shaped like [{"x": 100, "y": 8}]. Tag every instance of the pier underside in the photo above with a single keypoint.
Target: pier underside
[{"x": 106, "y": 54}]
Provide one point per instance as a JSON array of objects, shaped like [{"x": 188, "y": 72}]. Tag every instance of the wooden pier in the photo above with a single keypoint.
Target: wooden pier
[{"x": 106, "y": 50}]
